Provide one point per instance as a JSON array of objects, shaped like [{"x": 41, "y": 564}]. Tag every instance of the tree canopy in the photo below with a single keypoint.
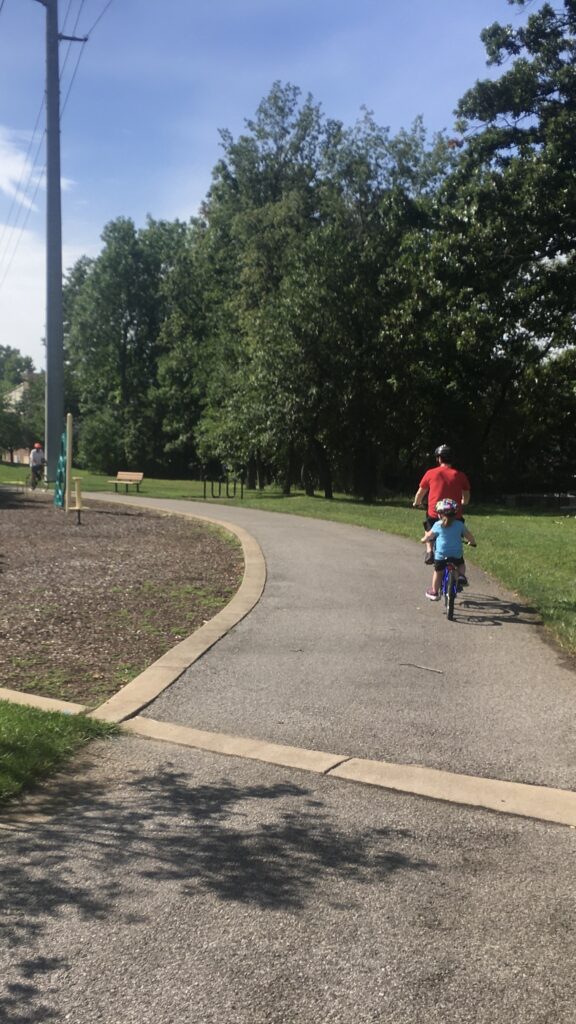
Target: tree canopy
[{"x": 347, "y": 298}]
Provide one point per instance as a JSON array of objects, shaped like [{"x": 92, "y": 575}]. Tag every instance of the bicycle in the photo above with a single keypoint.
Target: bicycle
[
  {"x": 450, "y": 586},
  {"x": 35, "y": 478}
]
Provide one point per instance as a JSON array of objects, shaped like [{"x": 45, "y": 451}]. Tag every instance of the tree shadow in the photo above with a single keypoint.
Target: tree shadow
[
  {"x": 487, "y": 610},
  {"x": 12, "y": 498},
  {"x": 220, "y": 839}
]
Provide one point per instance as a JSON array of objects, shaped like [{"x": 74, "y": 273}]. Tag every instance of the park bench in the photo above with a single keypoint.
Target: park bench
[{"x": 128, "y": 479}]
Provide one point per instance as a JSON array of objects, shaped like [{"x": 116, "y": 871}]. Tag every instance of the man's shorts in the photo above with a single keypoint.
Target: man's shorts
[{"x": 443, "y": 562}]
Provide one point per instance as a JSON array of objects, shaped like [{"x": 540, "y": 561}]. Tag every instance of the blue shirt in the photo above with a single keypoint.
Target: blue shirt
[{"x": 448, "y": 539}]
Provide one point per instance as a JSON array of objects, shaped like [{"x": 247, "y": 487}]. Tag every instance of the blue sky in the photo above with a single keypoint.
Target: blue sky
[{"x": 158, "y": 78}]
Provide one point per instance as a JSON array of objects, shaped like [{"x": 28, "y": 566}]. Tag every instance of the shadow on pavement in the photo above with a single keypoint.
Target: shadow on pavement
[
  {"x": 99, "y": 852},
  {"x": 486, "y": 610}
]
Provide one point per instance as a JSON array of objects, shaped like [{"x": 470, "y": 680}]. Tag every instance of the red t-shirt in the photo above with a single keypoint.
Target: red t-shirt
[{"x": 444, "y": 482}]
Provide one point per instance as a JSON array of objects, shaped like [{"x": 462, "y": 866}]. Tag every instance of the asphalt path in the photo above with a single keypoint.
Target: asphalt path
[
  {"x": 344, "y": 653},
  {"x": 167, "y": 885},
  {"x": 158, "y": 884}
]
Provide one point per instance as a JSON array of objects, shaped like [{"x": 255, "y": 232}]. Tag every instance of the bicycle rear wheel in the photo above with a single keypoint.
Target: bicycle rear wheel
[
  {"x": 445, "y": 589},
  {"x": 451, "y": 584}
]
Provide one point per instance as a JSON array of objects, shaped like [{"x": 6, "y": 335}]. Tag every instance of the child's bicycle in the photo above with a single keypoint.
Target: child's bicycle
[{"x": 449, "y": 586}]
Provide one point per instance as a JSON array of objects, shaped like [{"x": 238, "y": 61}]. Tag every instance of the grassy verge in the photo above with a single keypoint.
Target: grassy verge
[
  {"x": 35, "y": 743},
  {"x": 530, "y": 551}
]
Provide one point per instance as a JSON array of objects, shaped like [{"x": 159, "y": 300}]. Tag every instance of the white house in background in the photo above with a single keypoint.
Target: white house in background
[{"x": 13, "y": 397}]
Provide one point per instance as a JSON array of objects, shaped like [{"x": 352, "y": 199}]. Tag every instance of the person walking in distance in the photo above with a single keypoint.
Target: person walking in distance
[
  {"x": 438, "y": 483},
  {"x": 37, "y": 463}
]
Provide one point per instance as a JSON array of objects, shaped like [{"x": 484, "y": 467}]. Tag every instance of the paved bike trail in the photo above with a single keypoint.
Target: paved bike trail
[{"x": 344, "y": 653}]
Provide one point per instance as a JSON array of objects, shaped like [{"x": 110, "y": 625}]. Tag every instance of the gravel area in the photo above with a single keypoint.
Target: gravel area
[{"x": 86, "y": 607}]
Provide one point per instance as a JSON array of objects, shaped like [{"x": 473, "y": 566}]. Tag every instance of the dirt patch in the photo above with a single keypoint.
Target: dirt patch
[{"x": 84, "y": 608}]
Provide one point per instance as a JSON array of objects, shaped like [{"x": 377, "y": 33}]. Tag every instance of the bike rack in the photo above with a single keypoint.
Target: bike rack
[{"x": 229, "y": 484}]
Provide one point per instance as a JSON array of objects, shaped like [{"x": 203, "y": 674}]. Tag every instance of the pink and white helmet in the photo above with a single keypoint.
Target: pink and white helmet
[{"x": 447, "y": 507}]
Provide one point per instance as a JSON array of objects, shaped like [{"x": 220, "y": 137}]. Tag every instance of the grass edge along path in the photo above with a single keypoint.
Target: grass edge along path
[{"x": 34, "y": 744}]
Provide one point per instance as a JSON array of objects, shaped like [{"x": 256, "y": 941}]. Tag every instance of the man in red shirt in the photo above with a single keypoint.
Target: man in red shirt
[{"x": 442, "y": 482}]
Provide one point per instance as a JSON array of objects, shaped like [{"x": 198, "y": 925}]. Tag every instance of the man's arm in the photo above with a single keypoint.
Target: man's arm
[
  {"x": 419, "y": 496},
  {"x": 465, "y": 497}
]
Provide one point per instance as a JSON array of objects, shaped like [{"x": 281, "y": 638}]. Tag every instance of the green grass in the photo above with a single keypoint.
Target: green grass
[
  {"x": 532, "y": 552},
  {"x": 35, "y": 743}
]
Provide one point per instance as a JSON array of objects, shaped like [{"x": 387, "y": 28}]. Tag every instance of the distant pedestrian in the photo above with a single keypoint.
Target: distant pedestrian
[
  {"x": 37, "y": 463},
  {"x": 443, "y": 481}
]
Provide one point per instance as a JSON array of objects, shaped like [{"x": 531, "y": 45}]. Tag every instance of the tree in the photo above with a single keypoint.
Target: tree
[
  {"x": 306, "y": 218},
  {"x": 522, "y": 130},
  {"x": 494, "y": 262},
  {"x": 13, "y": 367},
  {"x": 115, "y": 308},
  {"x": 21, "y": 420}
]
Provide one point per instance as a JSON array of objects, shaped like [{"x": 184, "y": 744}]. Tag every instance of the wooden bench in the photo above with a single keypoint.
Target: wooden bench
[{"x": 128, "y": 479}]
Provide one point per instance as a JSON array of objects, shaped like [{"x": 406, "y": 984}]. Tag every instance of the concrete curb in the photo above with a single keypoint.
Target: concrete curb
[
  {"x": 144, "y": 688},
  {"x": 32, "y": 700},
  {"x": 515, "y": 798}
]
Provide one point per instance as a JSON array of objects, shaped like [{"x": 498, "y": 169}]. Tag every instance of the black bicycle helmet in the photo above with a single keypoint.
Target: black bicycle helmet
[{"x": 443, "y": 452}]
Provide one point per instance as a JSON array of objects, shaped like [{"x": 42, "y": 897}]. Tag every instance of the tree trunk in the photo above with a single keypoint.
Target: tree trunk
[
  {"x": 324, "y": 470},
  {"x": 251, "y": 473},
  {"x": 288, "y": 469},
  {"x": 307, "y": 475},
  {"x": 364, "y": 474},
  {"x": 260, "y": 473}
]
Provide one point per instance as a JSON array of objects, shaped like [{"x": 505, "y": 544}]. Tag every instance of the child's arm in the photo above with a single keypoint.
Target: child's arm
[
  {"x": 428, "y": 535},
  {"x": 469, "y": 537}
]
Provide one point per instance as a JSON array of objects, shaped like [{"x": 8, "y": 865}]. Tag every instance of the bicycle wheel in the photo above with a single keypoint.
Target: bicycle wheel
[
  {"x": 452, "y": 583},
  {"x": 445, "y": 589}
]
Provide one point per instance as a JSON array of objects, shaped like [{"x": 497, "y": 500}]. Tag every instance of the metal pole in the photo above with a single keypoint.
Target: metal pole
[
  {"x": 68, "y": 461},
  {"x": 54, "y": 332}
]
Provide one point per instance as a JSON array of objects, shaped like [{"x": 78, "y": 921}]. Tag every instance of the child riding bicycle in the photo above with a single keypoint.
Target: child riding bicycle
[{"x": 447, "y": 534}]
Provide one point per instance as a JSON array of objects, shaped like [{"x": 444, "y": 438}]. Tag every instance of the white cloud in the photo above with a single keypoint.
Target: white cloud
[
  {"x": 22, "y": 300},
  {"x": 19, "y": 179},
  {"x": 23, "y": 248}
]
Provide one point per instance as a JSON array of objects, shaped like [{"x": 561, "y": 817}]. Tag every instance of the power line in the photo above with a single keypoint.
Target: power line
[
  {"x": 71, "y": 83},
  {"x": 66, "y": 15},
  {"x": 72, "y": 33},
  {"x": 99, "y": 18},
  {"x": 82, "y": 40},
  {"x": 18, "y": 239},
  {"x": 20, "y": 190},
  {"x": 24, "y": 194}
]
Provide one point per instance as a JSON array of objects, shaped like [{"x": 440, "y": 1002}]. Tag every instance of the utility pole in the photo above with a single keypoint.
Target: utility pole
[{"x": 54, "y": 420}]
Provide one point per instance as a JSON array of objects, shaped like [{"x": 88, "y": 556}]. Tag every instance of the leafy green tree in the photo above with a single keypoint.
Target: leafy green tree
[
  {"x": 21, "y": 419},
  {"x": 522, "y": 129},
  {"x": 494, "y": 262},
  {"x": 309, "y": 216},
  {"x": 115, "y": 308},
  {"x": 13, "y": 367}
]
